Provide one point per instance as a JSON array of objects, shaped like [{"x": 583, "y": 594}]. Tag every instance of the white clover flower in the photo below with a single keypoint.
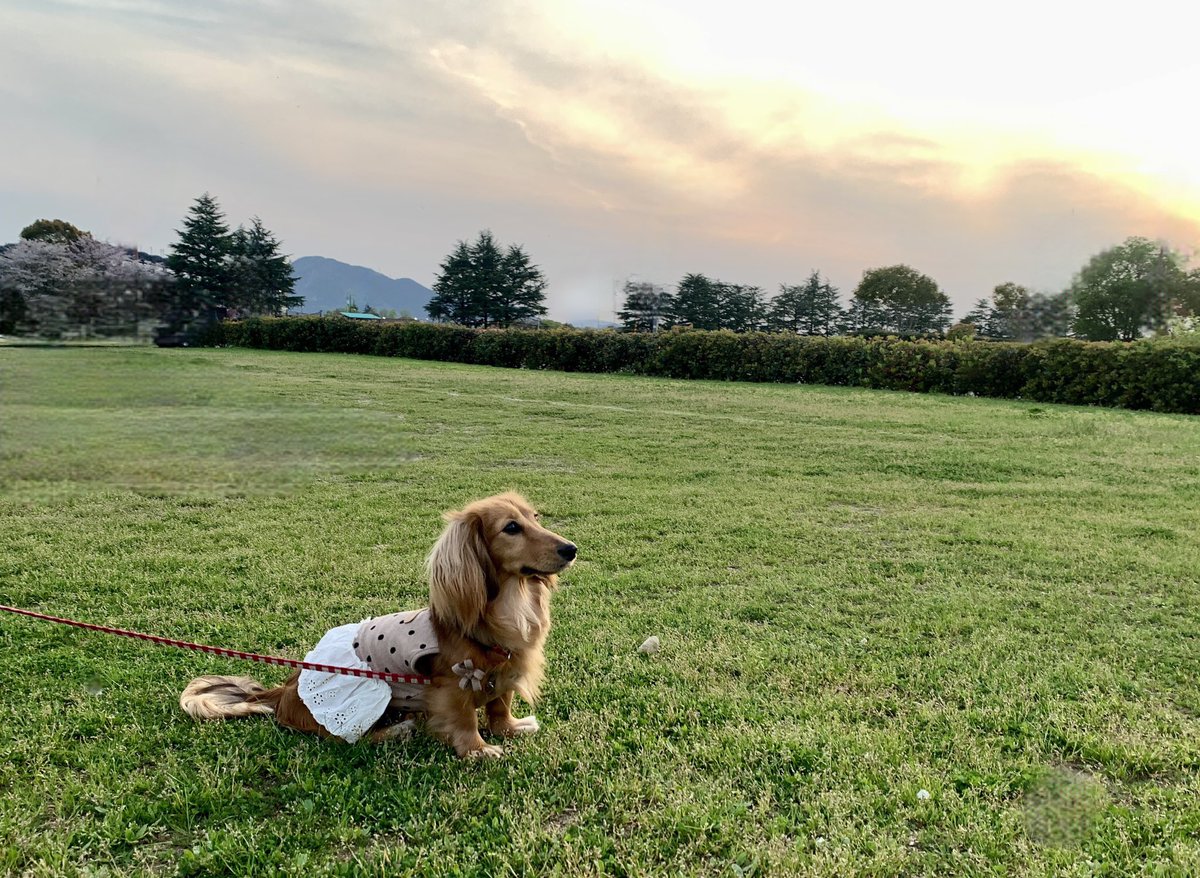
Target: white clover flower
[{"x": 923, "y": 794}]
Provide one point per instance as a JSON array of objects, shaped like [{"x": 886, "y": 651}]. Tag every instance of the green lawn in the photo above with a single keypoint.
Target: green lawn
[{"x": 860, "y": 595}]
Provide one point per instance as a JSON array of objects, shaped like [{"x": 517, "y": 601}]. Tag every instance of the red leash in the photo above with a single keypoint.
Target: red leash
[{"x": 228, "y": 653}]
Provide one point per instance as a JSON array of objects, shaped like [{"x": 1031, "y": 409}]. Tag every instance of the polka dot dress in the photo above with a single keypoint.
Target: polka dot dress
[{"x": 393, "y": 644}]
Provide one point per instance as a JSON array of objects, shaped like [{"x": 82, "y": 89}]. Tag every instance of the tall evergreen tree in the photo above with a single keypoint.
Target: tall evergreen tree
[
  {"x": 261, "y": 275},
  {"x": 740, "y": 307},
  {"x": 648, "y": 307},
  {"x": 522, "y": 289},
  {"x": 980, "y": 316},
  {"x": 481, "y": 285},
  {"x": 697, "y": 302},
  {"x": 201, "y": 261},
  {"x": 487, "y": 269},
  {"x": 808, "y": 309},
  {"x": 454, "y": 290}
]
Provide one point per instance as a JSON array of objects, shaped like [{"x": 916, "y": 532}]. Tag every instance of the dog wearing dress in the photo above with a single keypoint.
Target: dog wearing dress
[{"x": 479, "y": 641}]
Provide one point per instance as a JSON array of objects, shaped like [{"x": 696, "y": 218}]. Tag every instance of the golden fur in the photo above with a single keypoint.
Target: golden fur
[{"x": 490, "y": 577}]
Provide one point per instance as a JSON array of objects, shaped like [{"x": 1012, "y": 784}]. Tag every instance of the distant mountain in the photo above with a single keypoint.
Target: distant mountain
[
  {"x": 325, "y": 285},
  {"x": 594, "y": 324}
]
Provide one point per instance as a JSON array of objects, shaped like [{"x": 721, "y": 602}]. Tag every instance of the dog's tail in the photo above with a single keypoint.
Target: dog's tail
[{"x": 214, "y": 697}]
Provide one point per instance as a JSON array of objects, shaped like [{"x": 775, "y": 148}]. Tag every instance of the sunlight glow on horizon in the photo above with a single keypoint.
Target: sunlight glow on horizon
[{"x": 1101, "y": 90}]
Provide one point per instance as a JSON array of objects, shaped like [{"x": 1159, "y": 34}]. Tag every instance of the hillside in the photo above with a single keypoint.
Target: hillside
[{"x": 326, "y": 283}]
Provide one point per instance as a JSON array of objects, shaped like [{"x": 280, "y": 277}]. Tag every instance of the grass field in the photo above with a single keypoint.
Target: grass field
[{"x": 860, "y": 595}]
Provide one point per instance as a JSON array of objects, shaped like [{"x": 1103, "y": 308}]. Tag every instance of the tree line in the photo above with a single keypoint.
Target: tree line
[
  {"x": 1120, "y": 294},
  {"x": 893, "y": 299},
  {"x": 58, "y": 279},
  {"x": 1128, "y": 290}
]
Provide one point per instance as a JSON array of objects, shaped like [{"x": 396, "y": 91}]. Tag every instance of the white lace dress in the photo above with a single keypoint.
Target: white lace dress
[{"x": 348, "y": 706}]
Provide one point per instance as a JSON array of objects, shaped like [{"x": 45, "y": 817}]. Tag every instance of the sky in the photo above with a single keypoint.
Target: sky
[{"x": 753, "y": 141}]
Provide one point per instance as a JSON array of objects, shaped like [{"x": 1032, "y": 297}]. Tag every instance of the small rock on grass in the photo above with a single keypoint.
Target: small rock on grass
[{"x": 650, "y": 646}]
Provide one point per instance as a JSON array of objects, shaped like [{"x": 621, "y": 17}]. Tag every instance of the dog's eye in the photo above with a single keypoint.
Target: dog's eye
[{"x": 512, "y": 528}]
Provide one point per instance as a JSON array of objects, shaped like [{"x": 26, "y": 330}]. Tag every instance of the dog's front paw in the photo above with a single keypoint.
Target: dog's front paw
[
  {"x": 526, "y": 725},
  {"x": 487, "y": 751}
]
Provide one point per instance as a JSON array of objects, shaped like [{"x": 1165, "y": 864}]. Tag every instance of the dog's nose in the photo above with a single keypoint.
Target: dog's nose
[{"x": 567, "y": 552}]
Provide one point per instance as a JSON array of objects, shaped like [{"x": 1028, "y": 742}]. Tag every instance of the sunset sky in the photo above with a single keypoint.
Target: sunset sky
[{"x": 751, "y": 141}]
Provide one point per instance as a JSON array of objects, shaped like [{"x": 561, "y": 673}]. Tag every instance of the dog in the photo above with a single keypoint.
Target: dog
[{"x": 480, "y": 641}]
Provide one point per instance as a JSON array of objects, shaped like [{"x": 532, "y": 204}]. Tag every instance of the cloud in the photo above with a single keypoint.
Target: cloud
[{"x": 381, "y": 133}]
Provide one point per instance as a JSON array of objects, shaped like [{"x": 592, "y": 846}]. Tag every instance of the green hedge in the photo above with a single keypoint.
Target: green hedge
[{"x": 1161, "y": 375}]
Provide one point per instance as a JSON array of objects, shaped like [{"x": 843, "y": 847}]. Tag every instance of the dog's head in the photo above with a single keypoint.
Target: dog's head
[{"x": 488, "y": 547}]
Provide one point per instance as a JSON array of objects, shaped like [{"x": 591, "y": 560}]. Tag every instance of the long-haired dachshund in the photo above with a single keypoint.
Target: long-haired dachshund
[{"x": 480, "y": 640}]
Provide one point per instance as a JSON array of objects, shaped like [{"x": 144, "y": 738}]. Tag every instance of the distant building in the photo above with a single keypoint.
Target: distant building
[{"x": 360, "y": 315}]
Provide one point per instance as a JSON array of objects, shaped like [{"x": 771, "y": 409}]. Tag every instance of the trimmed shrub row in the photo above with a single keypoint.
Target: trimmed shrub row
[{"x": 1161, "y": 375}]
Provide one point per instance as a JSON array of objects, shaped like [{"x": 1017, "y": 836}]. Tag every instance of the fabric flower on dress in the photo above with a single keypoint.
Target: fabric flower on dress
[{"x": 471, "y": 676}]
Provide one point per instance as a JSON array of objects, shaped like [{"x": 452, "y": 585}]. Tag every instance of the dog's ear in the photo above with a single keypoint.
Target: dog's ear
[{"x": 461, "y": 574}]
